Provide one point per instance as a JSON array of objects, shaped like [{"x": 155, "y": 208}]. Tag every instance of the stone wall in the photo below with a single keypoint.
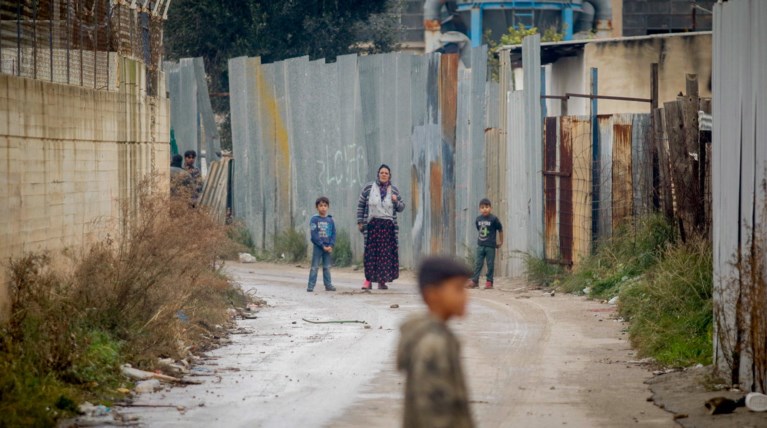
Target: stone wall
[{"x": 69, "y": 155}]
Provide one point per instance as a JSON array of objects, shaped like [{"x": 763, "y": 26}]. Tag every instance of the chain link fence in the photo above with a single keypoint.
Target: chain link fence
[{"x": 77, "y": 42}]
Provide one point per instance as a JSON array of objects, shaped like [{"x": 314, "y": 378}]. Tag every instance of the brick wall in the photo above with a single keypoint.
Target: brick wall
[{"x": 68, "y": 156}]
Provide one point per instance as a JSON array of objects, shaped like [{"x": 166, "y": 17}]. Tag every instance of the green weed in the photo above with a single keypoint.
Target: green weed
[
  {"x": 542, "y": 273},
  {"x": 290, "y": 246},
  {"x": 670, "y": 310},
  {"x": 342, "y": 253},
  {"x": 622, "y": 258}
]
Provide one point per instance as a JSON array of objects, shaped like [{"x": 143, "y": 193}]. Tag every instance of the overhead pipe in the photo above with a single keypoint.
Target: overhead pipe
[
  {"x": 603, "y": 12},
  {"x": 432, "y": 12}
]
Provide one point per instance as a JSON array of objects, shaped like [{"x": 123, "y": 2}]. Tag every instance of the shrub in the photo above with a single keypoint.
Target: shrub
[
  {"x": 540, "y": 272},
  {"x": 670, "y": 310},
  {"x": 633, "y": 248},
  {"x": 290, "y": 246},
  {"x": 342, "y": 253},
  {"x": 71, "y": 325}
]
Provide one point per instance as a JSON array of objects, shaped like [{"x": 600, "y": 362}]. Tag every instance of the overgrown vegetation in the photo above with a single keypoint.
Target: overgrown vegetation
[
  {"x": 342, "y": 253},
  {"x": 670, "y": 308},
  {"x": 664, "y": 288},
  {"x": 290, "y": 245},
  {"x": 514, "y": 36},
  {"x": 155, "y": 291}
]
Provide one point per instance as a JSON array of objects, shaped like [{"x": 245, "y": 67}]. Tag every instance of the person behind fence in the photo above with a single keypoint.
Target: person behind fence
[
  {"x": 180, "y": 180},
  {"x": 323, "y": 233},
  {"x": 488, "y": 226},
  {"x": 190, "y": 156},
  {"x": 377, "y": 210},
  {"x": 429, "y": 353}
]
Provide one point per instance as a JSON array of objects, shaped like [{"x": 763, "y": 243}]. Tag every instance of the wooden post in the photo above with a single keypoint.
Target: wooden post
[
  {"x": 696, "y": 153},
  {"x": 655, "y": 147},
  {"x": 664, "y": 167}
]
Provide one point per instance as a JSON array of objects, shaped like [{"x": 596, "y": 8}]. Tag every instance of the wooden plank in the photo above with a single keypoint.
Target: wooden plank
[
  {"x": 551, "y": 240},
  {"x": 681, "y": 169},
  {"x": 581, "y": 145},
  {"x": 622, "y": 178},
  {"x": 664, "y": 166},
  {"x": 643, "y": 166}
]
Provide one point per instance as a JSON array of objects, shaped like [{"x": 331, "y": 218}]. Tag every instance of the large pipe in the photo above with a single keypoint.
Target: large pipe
[
  {"x": 432, "y": 12},
  {"x": 604, "y": 15},
  {"x": 585, "y": 21}
]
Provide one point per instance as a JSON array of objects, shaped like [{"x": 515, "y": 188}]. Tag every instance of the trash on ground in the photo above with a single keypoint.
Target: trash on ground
[
  {"x": 335, "y": 321},
  {"x": 88, "y": 409},
  {"x": 137, "y": 374},
  {"x": 247, "y": 258},
  {"x": 613, "y": 301},
  {"x": 587, "y": 290},
  {"x": 722, "y": 405},
  {"x": 146, "y": 386},
  {"x": 395, "y": 306},
  {"x": 756, "y": 402}
]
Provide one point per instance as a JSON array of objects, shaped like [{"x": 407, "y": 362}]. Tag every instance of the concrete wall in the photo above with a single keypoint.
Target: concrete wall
[
  {"x": 624, "y": 70},
  {"x": 68, "y": 156}
]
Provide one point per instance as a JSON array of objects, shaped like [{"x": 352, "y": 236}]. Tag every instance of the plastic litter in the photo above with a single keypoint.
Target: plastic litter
[{"x": 146, "y": 386}]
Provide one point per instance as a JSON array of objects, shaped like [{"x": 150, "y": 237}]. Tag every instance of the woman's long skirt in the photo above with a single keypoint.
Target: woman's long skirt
[{"x": 381, "y": 251}]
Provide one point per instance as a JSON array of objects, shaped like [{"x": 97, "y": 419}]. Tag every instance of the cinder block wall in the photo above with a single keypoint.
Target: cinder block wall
[{"x": 68, "y": 156}]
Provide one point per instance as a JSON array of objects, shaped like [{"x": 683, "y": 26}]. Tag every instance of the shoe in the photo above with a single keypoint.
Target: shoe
[
  {"x": 383, "y": 286},
  {"x": 367, "y": 285},
  {"x": 756, "y": 402},
  {"x": 488, "y": 285},
  {"x": 330, "y": 288},
  {"x": 310, "y": 290},
  {"x": 472, "y": 284}
]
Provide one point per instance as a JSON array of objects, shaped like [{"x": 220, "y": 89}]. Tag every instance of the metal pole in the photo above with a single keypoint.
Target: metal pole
[
  {"x": 595, "y": 155},
  {"x": 567, "y": 22},
  {"x": 476, "y": 26},
  {"x": 68, "y": 29},
  {"x": 95, "y": 45},
  {"x": 544, "y": 113},
  {"x": 656, "y": 195}
]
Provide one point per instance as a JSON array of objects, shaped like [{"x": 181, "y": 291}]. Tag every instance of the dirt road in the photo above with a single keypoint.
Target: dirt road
[{"x": 532, "y": 360}]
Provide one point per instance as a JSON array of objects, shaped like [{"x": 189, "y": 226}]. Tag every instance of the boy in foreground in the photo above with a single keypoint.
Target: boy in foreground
[
  {"x": 429, "y": 353},
  {"x": 488, "y": 226},
  {"x": 323, "y": 231}
]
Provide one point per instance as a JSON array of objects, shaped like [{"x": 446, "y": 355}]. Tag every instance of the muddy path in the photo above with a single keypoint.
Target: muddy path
[{"x": 532, "y": 360}]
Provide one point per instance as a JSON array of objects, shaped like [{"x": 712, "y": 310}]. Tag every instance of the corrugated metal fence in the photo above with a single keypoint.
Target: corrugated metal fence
[
  {"x": 739, "y": 179},
  {"x": 304, "y": 128}
]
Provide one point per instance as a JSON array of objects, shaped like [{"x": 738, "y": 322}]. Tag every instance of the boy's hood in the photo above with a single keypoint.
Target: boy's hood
[
  {"x": 411, "y": 331},
  {"x": 319, "y": 216}
]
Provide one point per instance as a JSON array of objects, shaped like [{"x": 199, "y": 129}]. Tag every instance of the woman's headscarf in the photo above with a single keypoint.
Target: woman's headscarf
[{"x": 383, "y": 186}]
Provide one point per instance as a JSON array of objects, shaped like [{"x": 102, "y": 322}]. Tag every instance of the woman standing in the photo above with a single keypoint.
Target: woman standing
[{"x": 377, "y": 211}]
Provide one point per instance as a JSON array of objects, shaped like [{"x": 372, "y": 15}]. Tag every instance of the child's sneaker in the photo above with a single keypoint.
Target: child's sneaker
[
  {"x": 488, "y": 285},
  {"x": 383, "y": 286},
  {"x": 367, "y": 285},
  {"x": 309, "y": 290},
  {"x": 472, "y": 284},
  {"x": 330, "y": 288}
]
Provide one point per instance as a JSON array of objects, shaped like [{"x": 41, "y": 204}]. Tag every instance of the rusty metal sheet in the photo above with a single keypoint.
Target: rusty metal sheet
[
  {"x": 566, "y": 190},
  {"x": 550, "y": 174},
  {"x": 622, "y": 178}
]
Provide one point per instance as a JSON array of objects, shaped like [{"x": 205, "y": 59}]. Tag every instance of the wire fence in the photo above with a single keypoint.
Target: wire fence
[
  {"x": 77, "y": 42},
  {"x": 588, "y": 193}
]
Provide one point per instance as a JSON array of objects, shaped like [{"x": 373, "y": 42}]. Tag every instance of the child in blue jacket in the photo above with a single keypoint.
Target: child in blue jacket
[{"x": 324, "y": 238}]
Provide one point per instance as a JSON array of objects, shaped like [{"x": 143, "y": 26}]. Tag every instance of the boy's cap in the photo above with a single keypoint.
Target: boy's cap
[
  {"x": 434, "y": 270},
  {"x": 485, "y": 201}
]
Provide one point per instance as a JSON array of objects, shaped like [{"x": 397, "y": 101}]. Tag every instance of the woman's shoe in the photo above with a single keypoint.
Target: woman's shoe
[
  {"x": 383, "y": 286},
  {"x": 367, "y": 285}
]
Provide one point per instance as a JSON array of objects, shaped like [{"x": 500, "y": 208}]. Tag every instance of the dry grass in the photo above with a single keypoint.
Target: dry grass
[{"x": 155, "y": 291}]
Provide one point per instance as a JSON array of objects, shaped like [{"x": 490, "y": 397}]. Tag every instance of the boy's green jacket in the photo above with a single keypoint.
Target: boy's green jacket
[{"x": 435, "y": 392}]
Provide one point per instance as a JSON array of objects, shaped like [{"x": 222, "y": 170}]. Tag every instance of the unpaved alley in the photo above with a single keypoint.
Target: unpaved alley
[{"x": 532, "y": 360}]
